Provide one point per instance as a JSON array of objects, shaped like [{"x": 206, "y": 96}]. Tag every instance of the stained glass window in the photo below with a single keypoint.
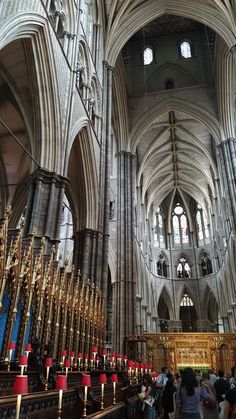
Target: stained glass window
[
  {"x": 199, "y": 226},
  {"x": 205, "y": 225},
  {"x": 147, "y": 56},
  {"x": 160, "y": 223},
  {"x": 186, "y": 301},
  {"x": 185, "y": 49},
  {"x": 176, "y": 229},
  {"x": 184, "y": 228}
]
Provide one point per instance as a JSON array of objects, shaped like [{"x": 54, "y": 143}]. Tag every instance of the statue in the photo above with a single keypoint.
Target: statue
[
  {"x": 180, "y": 270},
  {"x": 187, "y": 270}
]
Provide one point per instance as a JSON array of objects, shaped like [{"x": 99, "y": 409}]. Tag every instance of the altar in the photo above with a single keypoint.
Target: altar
[{"x": 202, "y": 351}]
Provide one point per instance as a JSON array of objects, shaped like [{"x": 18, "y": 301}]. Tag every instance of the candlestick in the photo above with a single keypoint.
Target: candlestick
[
  {"x": 48, "y": 364},
  {"x": 20, "y": 387},
  {"x": 18, "y": 404},
  {"x": 86, "y": 382},
  {"x": 79, "y": 357},
  {"x": 61, "y": 385},
  {"x": 72, "y": 355},
  {"x": 60, "y": 404},
  {"x": 114, "y": 380},
  {"x": 102, "y": 381},
  {"x": 11, "y": 348}
]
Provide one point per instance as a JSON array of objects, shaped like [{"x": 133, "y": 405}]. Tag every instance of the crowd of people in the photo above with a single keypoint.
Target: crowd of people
[{"x": 191, "y": 395}]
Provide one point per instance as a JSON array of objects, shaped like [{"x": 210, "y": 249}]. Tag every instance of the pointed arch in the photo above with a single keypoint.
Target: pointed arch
[
  {"x": 81, "y": 168},
  {"x": 139, "y": 15},
  {"x": 47, "y": 101},
  {"x": 186, "y": 289},
  {"x": 165, "y": 295}
]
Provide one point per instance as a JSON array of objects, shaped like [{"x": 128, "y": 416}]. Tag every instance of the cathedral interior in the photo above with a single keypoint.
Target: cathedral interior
[{"x": 118, "y": 181}]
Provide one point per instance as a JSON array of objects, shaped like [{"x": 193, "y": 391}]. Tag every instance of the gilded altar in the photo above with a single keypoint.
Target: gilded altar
[{"x": 178, "y": 350}]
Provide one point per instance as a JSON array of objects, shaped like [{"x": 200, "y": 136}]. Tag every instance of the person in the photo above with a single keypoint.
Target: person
[
  {"x": 230, "y": 404},
  {"x": 221, "y": 386},
  {"x": 209, "y": 408},
  {"x": 189, "y": 395},
  {"x": 148, "y": 398},
  {"x": 167, "y": 397},
  {"x": 213, "y": 377},
  {"x": 160, "y": 385},
  {"x": 232, "y": 380},
  {"x": 177, "y": 380}
]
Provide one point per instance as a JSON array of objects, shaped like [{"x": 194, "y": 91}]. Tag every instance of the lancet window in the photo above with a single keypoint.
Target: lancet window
[
  {"x": 162, "y": 266},
  {"x": 186, "y": 301},
  {"x": 206, "y": 265},
  {"x": 180, "y": 225},
  {"x": 185, "y": 49},
  {"x": 159, "y": 227},
  {"x": 147, "y": 55},
  {"x": 202, "y": 224}
]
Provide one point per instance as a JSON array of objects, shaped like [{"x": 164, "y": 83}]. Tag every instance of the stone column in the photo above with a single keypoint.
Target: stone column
[
  {"x": 149, "y": 321},
  {"x": 101, "y": 266},
  {"x": 44, "y": 207},
  {"x": 124, "y": 316},
  {"x": 85, "y": 252},
  {"x": 228, "y": 162}
]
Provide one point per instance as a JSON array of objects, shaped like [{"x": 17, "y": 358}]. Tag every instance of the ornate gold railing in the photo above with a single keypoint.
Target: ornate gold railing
[{"x": 45, "y": 302}]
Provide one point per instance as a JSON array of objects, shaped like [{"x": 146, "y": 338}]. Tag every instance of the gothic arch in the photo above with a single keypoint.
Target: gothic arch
[
  {"x": 136, "y": 17},
  {"x": 209, "y": 294},
  {"x": 185, "y": 289},
  {"x": 82, "y": 171},
  {"x": 167, "y": 68},
  {"x": 165, "y": 294},
  {"x": 48, "y": 125},
  {"x": 84, "y": 62}
]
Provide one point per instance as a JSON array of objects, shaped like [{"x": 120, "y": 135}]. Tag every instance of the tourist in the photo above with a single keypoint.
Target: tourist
[
  {"x": 189, "y": 395},
  {"x": 148, "y": 398},
  {"x": 167, "y": 403}
]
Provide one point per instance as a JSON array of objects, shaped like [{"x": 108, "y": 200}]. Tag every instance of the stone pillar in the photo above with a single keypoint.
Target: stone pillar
[
  {"x": 228, "y": 162},
  {"x": 139, "y": 326},
  {"x": 154, "y": 325},
  {"x": 85, "y": 252},
  {"x": 101, "y": 266},
  {"x": 149, "y": 321},
  {"x": 125, "y": 317},
  {"x": 44, "y": 207}
]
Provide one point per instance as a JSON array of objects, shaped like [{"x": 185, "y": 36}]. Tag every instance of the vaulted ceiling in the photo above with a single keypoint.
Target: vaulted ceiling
[{"x": 173, "y": 132}]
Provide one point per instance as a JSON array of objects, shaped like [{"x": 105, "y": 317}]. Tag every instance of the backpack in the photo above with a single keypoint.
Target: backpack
[{"x": 233, "y": 412}]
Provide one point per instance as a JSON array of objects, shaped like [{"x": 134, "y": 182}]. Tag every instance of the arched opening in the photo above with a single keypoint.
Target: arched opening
[
  {"x": 16, "y": 97},
  {"x": 187, "y": 314},
  {"x": 163, "y": 314}
]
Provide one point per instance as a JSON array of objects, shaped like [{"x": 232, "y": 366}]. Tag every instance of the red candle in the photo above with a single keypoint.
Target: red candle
[
  {"x": 23, "y": 361},
  {"x": 48, "y": 362},
  {"x": 20, "y": 384},
  {"x": 102, "y": 379},
  {"x": 61, "y": 382},
  {"x": 114, "y": 378},
  {"x": 12, "y": 345},
  {"x": 28, "y": 347},
  {"x": 86, "y": 380}
]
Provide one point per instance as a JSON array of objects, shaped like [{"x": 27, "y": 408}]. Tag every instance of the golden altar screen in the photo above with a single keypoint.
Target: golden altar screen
[{"x": 178, "y": 350}]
